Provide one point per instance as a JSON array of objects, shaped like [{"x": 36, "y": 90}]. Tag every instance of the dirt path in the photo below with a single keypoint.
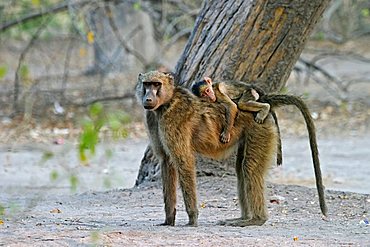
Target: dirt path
[
  {"x": 40, "y": 213},
  {"x": 344, "y": 163},
  {"x": 129, "y": 218}
]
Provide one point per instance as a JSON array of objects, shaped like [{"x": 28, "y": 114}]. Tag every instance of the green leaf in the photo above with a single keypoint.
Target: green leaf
[
  {"x": 83, "y": 157},
  {"x": 344, "y": 105},
  {"x": 2, "y": 209},
  {"x": 365, "y": 12},
  {"x": 54, "y": 175},
  {"x": 114, "y": 124},
  {"x": 47, "y": 155},
  {"x": 124, "y": 118},
  {"x": 3, "y": 71},
  {"x": 36, "y": 3},
  {"x": 320, "y": 36},
  {"x": 73, "y": 180},
  {"x": 96, "y": 109},
  {"x": 137, "y": 6},
  {"x": 24, "y": 72},
  {"x": 107, "y": 183},
  {"x": 284, "y": 90},
  {"x": 306, "y": 95}
]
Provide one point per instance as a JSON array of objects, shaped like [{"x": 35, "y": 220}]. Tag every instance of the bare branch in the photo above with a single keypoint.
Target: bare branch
[
  {"x": 66, "y": 69},
  {"x": 331, "y": 83},
  {"x": 123, "y": 42},
  {"x": 177, "y": 36},
  {"x": 54, "y": 9},
  {"x": 21, "y": 58},
  {"x": 108, "y": 98}
]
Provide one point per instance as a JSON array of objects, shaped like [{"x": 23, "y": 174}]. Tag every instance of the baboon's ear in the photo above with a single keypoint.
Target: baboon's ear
[
  {"x": 140, "y": 76},
  {"x": 170, "y": 76},
  {"x": 208, "y": 80}
]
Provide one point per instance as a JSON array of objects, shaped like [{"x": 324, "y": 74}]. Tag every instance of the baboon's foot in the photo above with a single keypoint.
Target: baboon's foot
[
  {"x": 225, "y": 137},
  {"x": 167, "y": 224},
  {"x": 193, "y": 220},
  {"x": 192, "y": 224},
  {"x": 241, "y": 222},
  {"x": 170, "y": 217}
]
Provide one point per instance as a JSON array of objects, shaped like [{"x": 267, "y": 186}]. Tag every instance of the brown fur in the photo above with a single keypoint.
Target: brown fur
[
  {"x": 231, "y": 110},
  {"x": 240, "y": 92},
  {"x": 237, "y": 95},
  {"x": 180, "y": 124}
]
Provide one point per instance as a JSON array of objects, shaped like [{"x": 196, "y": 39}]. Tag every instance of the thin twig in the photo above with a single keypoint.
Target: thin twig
[
  {"x": 123, "y": 43},
  {"x": 108, "y": 98},
  {"x": 21, "y": 58},
  {"x": 54, "y": 9},
  {"x": 66, "y": 70}
]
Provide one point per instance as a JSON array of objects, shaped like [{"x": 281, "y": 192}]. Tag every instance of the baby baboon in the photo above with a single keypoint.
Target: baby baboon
[
  {"x": 244, "y": 97},
  {"x": 181, "y": 124},
  {"x": 205, "y": 90}
]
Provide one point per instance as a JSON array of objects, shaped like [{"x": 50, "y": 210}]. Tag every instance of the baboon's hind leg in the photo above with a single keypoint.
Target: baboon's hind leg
[{"x": 251, "y": 171}]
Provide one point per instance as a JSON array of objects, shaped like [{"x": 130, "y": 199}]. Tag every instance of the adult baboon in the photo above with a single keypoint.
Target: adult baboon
[{"x": 180, "y": 124}]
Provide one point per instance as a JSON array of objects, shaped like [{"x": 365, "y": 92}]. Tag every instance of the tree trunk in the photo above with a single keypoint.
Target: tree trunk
[{"x": 256, "y": 41}]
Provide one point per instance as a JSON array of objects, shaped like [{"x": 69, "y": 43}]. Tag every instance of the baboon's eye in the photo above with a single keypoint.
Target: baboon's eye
[{"x": 157, "y": 84}]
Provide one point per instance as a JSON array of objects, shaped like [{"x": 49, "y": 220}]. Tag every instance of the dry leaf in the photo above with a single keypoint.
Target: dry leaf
[
  {"x": 55, "y": 211},
  {"x": 90, "y": 37}
]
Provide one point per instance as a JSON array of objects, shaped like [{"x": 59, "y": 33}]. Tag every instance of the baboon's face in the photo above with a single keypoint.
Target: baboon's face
[
  {"x": 150, "y": 98},
  {"x": 154, "y": 89},
  {"x": 207, "y": 93}
]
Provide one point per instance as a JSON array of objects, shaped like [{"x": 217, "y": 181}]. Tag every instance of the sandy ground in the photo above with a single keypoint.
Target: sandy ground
[
  {"x": 39, "y": 212},
  {"x": 129, "y": 217}
]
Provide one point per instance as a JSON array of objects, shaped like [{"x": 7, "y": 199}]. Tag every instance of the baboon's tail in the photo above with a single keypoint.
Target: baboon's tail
[{"x": 280, "y": 100}]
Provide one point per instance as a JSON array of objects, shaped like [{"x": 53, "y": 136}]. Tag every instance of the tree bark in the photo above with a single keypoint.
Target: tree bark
[{"x": 256, "y": 41}]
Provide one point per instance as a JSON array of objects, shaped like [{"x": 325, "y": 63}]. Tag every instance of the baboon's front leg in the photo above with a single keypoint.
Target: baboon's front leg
[
  {"x": 169, "y": 181},
  {"x": 187, "y": 177}
]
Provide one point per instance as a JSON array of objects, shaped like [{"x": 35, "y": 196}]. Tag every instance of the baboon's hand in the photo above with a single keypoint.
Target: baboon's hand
[
  {"x": 225, "y": 137},
  {"x": 260, "y": 117}
]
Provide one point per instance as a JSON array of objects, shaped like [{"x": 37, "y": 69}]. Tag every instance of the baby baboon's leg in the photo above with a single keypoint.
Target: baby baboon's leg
[
  {"x": 169, "y": 180},
  {"x": 262, "y": 109}
]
